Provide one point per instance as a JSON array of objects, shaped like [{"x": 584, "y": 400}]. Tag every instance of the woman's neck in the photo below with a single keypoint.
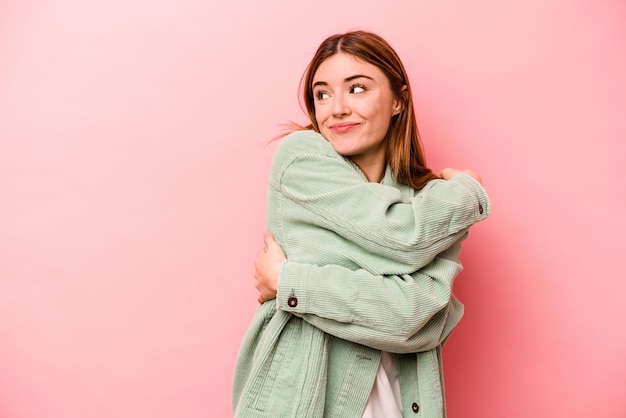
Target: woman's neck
[{"x": 374, "y": 171}]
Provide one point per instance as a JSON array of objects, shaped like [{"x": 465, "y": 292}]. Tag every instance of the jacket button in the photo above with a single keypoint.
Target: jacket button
[
  {"x": 292, "y": 302},
  {"x": 480, "y": 209},
  {"x": 416, "y": 407}
]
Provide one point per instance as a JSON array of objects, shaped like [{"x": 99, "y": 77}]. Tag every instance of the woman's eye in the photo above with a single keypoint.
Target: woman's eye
[
  {"x": 321, "y": 95},
  {"x": 357, "y": 89}
]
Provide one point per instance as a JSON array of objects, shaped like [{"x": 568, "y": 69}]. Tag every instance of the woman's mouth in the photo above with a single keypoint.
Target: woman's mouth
[{"x": 341, "y": 128}]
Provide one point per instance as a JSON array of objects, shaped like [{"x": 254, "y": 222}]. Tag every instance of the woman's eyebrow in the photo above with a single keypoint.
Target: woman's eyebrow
[
  {"x": 354, "y": 77},
  {"x": 345, "y": 80}
]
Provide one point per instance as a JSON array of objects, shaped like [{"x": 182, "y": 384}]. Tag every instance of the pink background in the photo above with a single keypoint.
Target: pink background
[{"x": 133, "y": 173}]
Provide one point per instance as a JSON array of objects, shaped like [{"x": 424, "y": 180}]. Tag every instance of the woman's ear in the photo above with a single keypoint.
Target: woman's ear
[{"x": 399, "y": 102}]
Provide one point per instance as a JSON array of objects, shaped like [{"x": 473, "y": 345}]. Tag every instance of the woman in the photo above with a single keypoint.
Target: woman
[{"x": 372, "y": 236}]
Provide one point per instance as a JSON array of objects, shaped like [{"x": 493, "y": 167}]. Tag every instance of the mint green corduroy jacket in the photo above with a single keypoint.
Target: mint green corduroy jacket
[{"x": 370, "y": 267}]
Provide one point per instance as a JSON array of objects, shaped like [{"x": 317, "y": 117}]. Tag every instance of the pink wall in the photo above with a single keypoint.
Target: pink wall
[{"x": 132, "y": 192}]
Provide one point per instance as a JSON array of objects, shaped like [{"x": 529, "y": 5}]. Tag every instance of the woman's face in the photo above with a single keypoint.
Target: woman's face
[{"x": 354, "y": 104}]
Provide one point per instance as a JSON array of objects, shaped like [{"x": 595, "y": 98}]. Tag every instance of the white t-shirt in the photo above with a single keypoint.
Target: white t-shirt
[{"x": 385, "y": 400}]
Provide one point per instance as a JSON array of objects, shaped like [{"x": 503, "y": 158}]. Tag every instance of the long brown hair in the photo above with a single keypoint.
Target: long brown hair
[{"x": 404, "y": 151}]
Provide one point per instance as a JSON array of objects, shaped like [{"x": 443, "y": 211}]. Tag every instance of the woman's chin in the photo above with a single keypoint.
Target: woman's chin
[{"x": 344, "y": 151}]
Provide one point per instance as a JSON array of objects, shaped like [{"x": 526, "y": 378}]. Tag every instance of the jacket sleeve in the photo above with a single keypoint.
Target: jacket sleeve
[
  {"x": 327, "y": 191},
  {"x": 398, "y": 314}
]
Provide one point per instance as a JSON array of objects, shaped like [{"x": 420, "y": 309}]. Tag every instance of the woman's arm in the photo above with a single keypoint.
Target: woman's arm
[
  {"x": 399, "y": 314},
  {"x": 320, "y": 188}
]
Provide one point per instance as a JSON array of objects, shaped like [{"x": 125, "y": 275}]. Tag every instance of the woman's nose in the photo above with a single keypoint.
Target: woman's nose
[{"x": 340, "y": 107}]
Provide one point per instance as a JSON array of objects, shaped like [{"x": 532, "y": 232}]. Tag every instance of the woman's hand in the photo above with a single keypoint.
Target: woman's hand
[
  {"x": 269, "y": 259},
  {"x": 448, "y": 173}
]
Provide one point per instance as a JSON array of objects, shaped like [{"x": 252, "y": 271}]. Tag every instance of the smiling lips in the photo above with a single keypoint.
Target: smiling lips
[{"x": 341, "y": 128}]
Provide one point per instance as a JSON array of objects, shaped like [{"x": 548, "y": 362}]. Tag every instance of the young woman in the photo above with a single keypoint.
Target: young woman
[{"x": 351, "y": 325}]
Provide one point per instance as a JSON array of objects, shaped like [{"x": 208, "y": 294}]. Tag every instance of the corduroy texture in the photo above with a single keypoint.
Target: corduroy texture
[{"x": 370, "y": 267}]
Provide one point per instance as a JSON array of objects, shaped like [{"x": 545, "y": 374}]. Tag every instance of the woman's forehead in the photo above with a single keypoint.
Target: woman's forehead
[{"x": 341, "y": 66}]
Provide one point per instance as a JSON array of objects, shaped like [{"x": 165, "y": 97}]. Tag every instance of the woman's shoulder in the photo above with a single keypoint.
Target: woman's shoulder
[
  {"x": 304, "y": 142},
  {"x": 304, "y": 152}
]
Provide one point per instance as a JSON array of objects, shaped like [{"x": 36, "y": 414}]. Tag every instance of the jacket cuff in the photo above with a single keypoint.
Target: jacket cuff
[
  {"x": 292, "y": 284},
  {"x": 483, "y": 205}
]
